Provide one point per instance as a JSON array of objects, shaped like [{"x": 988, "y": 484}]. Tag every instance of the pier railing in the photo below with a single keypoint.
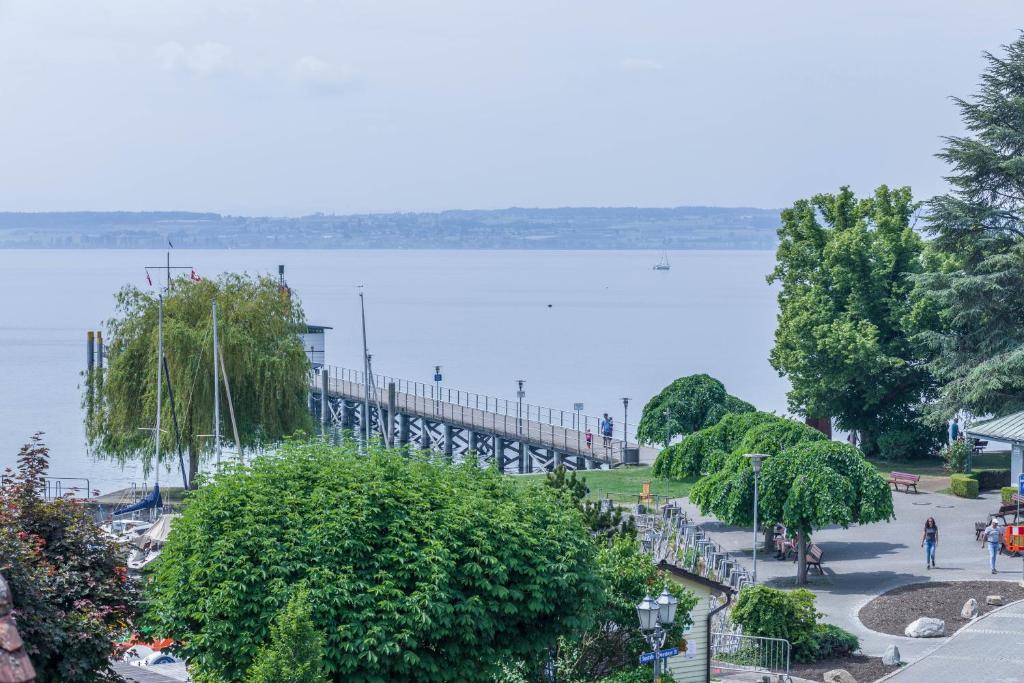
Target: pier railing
[{"x": 561, "y": 429}]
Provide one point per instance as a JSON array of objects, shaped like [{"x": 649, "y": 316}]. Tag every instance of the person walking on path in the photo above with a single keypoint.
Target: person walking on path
[
  {"x": 603, "y": 428},
  {"x": 954, "y": 431},
  {"x": 589, "y": 437},
  {"x": 991, "y": 537},
  {"x": 930, "y": 539}
]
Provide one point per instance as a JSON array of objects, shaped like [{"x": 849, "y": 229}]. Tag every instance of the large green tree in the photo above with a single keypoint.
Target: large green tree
[
  {"x": 804, "y": 484},
  {"x": 416, "y": 570},
  {"x": 686, "y": 405},
  {"x": 72, "y": 594},
  {"x": 845, "y": 266},
  {"x": 267, "y": 368},
  {"x": 970, "y": 298}
]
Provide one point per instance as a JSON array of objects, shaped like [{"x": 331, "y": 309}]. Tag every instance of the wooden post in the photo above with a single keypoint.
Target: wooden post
[{"x": 90, "y": 352}]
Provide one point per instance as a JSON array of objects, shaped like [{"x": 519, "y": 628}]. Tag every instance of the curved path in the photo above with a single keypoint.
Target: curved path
[
  {"x": 863, "y": 562},
  {"x": 990, "y": 649}
]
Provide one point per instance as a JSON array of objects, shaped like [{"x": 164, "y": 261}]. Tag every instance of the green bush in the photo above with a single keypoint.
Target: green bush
[
  {"x": 912, "y": 441},
  {"x": 641, "y": 674},
  {"x": 1006, "y": 493},
  {"x": 416, "y": 569},
  {"x": 296, "y": 650},
  {"x": 956, "y": 455},
  {"x": 775, "y": 613},
  {"x": 990, "y": 479},
  {"x": 964, "y": 486},
  {"x": 824, "y": 641}
]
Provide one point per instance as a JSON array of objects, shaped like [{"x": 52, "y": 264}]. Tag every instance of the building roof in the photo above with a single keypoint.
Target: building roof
[
  {"x": 313, "y": 329},
  {"x": 695, "y": 578},
  {"x": 1009, "y": 429}
]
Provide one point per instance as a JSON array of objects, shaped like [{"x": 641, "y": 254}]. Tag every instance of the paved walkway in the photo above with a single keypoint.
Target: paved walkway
[
  {"x": 864, "y": 561},
  {"x": 990, "y": 650}
]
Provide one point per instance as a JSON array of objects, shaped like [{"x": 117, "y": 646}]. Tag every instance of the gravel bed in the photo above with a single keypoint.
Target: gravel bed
[
  {"x": 863, "y": 668},
  {"x": 891, "y": 612}
]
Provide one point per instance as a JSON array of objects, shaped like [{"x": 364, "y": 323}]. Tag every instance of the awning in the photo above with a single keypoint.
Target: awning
[{"x": 1008, "y": 429}]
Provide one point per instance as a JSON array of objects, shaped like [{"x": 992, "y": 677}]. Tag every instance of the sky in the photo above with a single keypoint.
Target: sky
[{"x": 300, "y": 106}]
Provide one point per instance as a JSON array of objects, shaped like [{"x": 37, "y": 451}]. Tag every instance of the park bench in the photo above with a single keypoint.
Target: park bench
[
  {"x": 904, "y": 479},
  {"x": 979, "y": 446},
  {"x": 814, "y": 555},
  {"x": 1009, "y": 508}
]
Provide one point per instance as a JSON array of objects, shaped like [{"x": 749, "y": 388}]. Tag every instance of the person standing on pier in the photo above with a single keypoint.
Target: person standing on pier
[
  {"x": 589, "y": 437},
  {"x": 603, "y": 427},
  {"x": 609, "y": 431}
]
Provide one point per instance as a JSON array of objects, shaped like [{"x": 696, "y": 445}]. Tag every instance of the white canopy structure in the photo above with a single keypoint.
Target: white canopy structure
[{"x": 1007, "y": 429}]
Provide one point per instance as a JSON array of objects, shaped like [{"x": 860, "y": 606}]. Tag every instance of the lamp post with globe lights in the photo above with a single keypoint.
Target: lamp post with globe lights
[
  {"x": 656, "y": 618},
  {"x": 755, "y": 462}
]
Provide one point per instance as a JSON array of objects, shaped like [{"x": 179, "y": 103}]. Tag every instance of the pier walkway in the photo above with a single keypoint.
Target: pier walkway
[{"x": 517, "y": 437}]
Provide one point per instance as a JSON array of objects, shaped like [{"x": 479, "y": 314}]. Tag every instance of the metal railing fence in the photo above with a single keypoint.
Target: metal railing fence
[{"x": 755, "y": 654}]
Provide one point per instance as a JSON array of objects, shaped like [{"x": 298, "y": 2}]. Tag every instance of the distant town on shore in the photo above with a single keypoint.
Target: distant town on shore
[{"x": 688, "y": 227}]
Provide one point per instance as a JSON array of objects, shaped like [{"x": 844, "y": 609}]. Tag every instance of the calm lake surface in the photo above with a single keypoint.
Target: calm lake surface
[{"x": 576, "y": 325}]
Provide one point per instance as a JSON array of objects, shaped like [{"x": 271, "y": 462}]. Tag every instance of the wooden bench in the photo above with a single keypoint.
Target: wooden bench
[
  {"x": 814, "y": 555},
  {"x": 979, "y": 446},
  {"x": 907, "y": 480},
  {"x": 1009, "y": 508}
]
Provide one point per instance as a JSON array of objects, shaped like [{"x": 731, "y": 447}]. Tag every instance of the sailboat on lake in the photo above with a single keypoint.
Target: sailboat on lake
[{"x": 663, "y": 264}]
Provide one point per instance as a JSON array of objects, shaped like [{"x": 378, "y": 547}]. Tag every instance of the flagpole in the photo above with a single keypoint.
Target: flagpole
[
  {"x": 216, "y": 389},
  {"x": 366, "y": 379},
  {"x": 159, "y": 382}
]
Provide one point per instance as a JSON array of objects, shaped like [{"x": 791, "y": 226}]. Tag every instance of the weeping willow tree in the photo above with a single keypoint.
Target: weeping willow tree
[{"x": 267, "y": 368}]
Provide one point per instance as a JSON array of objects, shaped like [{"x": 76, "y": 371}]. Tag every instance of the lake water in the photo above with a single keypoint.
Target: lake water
[{"x": 576, "y": 325}]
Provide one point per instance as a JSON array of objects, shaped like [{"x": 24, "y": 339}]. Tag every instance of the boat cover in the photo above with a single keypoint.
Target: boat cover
[
  {"x": 156, "y": 534},
  {"x": 152, "y": 500}
]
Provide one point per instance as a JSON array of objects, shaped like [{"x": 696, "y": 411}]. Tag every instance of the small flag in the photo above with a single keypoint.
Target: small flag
[
  {"x": 149, "y": 279},
  {"x": 195, "y": 277}
]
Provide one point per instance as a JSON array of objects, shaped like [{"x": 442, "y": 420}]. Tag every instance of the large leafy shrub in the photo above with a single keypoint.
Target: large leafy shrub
[
  {"x": 956, "y": 455},
  {"x": 691, "y": 403},
  {"x": 825, "y": 641},
  {"x": 912, "y": 440},
  {"x": 71, "y": 593},
  {"x": 415, "y": 570},
  {"x": 295, "y": 652}
]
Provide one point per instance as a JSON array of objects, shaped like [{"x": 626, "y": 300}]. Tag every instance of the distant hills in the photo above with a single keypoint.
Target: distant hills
[{"x": 686, "y": 227}]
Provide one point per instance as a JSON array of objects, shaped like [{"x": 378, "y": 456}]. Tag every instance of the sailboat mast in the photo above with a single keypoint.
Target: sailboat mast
[
  {"x": 159, "y": 382},
  {"x": 366, "y": 378},
  {"x": 216, "y": 388}
]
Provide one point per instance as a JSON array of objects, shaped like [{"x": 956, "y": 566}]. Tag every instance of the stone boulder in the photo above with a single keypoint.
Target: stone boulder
[
  {"x": 891, "y": 656},
  {"x": 926, "y": 627},
  {"x": 970, "y": 609},
  {"x": 994, "y": 600},
  {"x": 839, "y": 676}
]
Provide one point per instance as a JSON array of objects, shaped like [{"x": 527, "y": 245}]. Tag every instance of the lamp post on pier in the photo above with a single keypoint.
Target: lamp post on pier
[
  {"x": 625, "y": 421},
  {"x": 520, "y": 394}
]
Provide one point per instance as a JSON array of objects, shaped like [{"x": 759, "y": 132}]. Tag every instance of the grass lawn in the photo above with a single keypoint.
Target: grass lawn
[
  {"x": 624, "y": 484},
  {"x": 996, "y": 460}
]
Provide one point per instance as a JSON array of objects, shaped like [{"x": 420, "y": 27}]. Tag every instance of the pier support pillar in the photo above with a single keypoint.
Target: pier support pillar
[
  {"x": 364, "y": 417},
  {"x": 348, "y": 416},
  {"x": 424, "y": 434},
  {"x": 556, "y": 459},
  {"x": 325, "y": 401},
  {"x": 389, "y": 420},
  {"x": 403, "y": 429},
  {"x": 524, "y": 454},
  {"x": 473, "y": 446},
  {"x": 449, "y": 445},
  {"x": 499, "y": 453}
]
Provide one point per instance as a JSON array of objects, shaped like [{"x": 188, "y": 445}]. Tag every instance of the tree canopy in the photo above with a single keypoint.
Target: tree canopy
[
  {"x": 691, "y": 403},
  {"x": 72, "y": 595},
  {"x": 804, "y": 484},
  {"x": 416, "y": 570},
  {"x": 845, "y": 266},
  {"x": 969, "y": 300},
  {"x": 258, "y": 330}
]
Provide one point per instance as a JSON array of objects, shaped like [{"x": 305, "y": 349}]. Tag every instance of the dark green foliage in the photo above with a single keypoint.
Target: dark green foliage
[
  {"x": 267, "y": 367},
  {"x": 842, "y": 339},
  {"x": 295, "y": 652},
  {"x": 963, "y": 485},
  {"x": 968, "y": 303},
  {"x": 823, "y": 642},
  {"x": 600, "y": 522},
  {"x": 775, "y": 436},
  {"x": 912, "y": 441},
  {"x": 415, "y": 570},
  {"x": 72, "y": 597},
  {"x": 705, "y": 451},
  {"x": 640, "y": 674},
  {"x": 956, "y": 456},
  {"x": 692, "y": 403},
  {"x": 774, "y": 613},
  {"x": 990, "y": 479}
]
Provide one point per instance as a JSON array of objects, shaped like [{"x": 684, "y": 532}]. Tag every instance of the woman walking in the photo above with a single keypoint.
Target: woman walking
[{"x": 930, "y": 539}]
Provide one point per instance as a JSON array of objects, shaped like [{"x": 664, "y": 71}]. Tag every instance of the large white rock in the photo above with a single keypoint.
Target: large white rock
[
  {"x": 926, "y": 627},
  {"x": 994, "y": 600},
  {"x": 970, "y": 609},
  {"x": 839, "y": 676},
  {"x": 891, "y": 656}
]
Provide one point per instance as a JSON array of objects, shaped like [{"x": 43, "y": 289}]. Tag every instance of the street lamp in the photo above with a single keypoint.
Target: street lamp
[
  {"x": 520, "y": 395},
  {"x": 625, "y": 421},
  {"x": 656, "y": 618},
  {"x": 755, "y": 462},
  {"x": 437, "y": 384}
]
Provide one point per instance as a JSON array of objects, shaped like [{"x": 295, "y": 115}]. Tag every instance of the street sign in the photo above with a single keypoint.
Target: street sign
[
  {"x": 578, "y": 407},
  {"x": 437, "y": 376},
  {"x": 648, "y": 657},
  {"x": 1020, "y": 484}
]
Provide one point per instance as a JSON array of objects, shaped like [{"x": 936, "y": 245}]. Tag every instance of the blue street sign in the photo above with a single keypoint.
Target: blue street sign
[
  {"x": 437, "y": 377},
  {"x": 1020, "y": 484},
  {"x": 648, "y": 657}
]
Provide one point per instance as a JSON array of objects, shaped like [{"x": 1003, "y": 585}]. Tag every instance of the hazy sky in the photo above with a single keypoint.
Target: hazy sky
[{"x": 296, "y": 106}]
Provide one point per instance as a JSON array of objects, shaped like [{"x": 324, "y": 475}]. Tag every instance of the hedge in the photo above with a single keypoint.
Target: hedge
[
  {"x": 990, "y": 479},
  {"x": 1006, "y": 493},
  {"x": 963, "y": 485}
]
